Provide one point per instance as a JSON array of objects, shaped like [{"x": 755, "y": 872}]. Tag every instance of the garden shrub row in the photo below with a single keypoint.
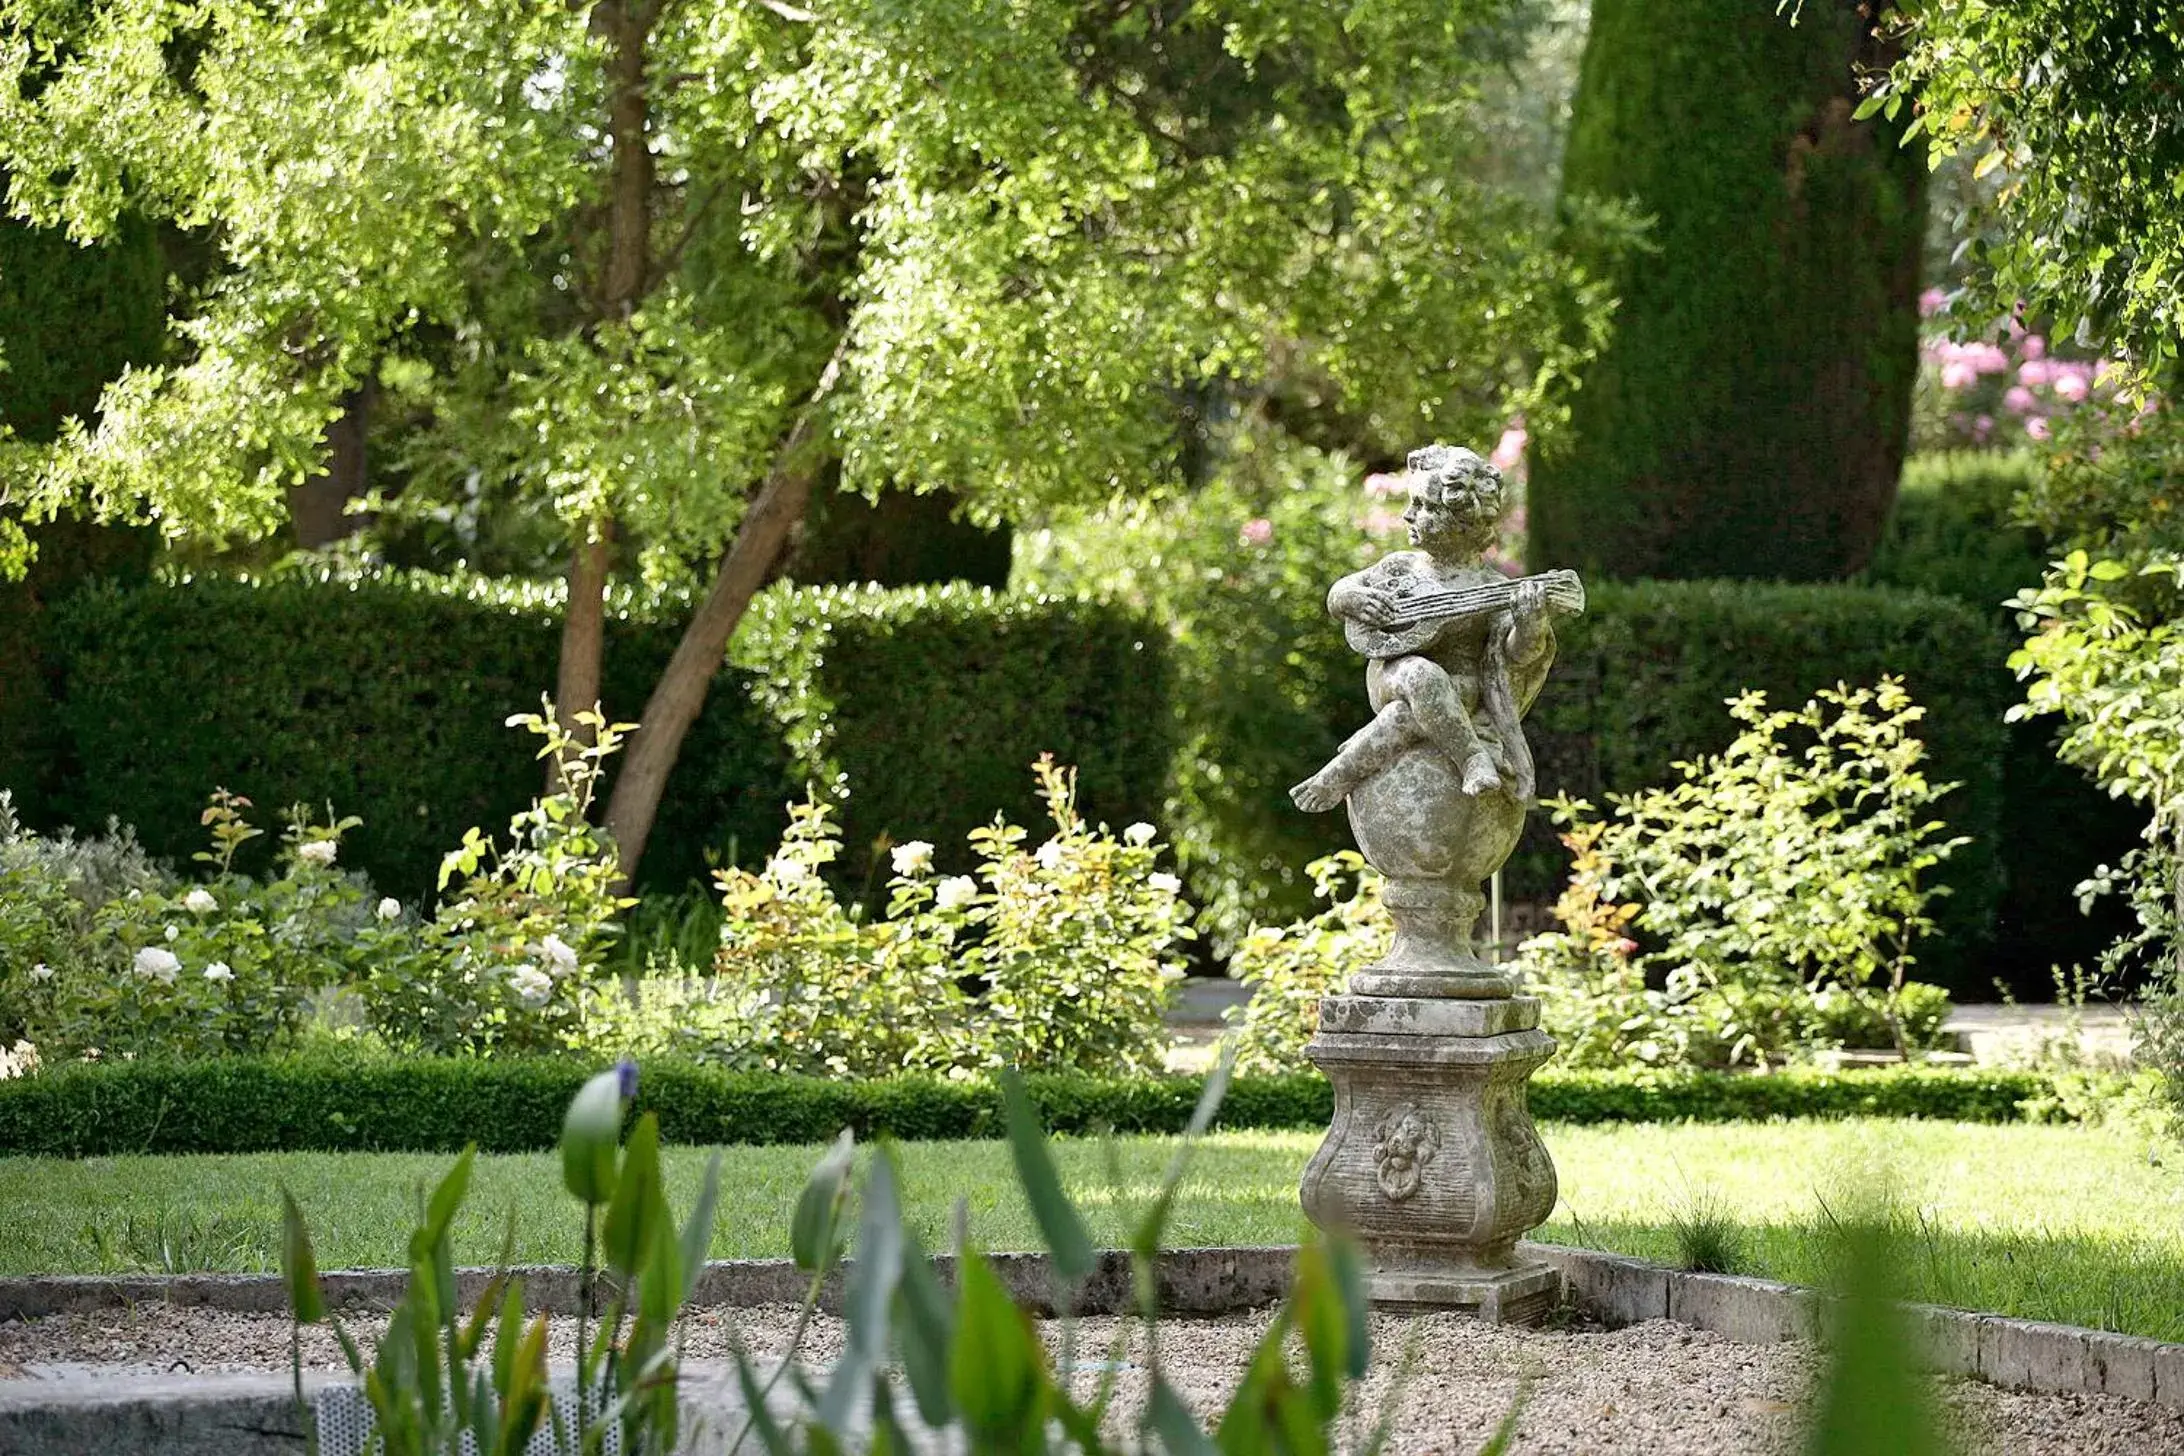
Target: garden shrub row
[
  {"x": 386, "y": 696},
  {"x": 238, "y": 1105}
]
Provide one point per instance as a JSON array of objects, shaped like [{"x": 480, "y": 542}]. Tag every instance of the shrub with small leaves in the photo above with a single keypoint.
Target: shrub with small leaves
[
  {"x": 504, "y": 963},
  {"x": 1058, "y": 958},
  {"x": 225, "y": 966},
  {"x": 1793, "y": 861}
]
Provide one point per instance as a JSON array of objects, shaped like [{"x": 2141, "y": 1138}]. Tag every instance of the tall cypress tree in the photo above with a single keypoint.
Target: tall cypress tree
[{"x": 1750, "y": 415}]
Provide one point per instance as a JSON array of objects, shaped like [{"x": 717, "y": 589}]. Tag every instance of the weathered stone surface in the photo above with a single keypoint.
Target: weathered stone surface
[
  {"x": 2121, "y": 1364},
  {"x": 1947, "y": 1338},
  {"x": 1432, "y": 1160},
  {"x": 2035, "y": 1356},
  {"x": 1751, "y": 1311},
  {"x": 2169, "y": 1375},
  {"x": 1614, "y": 1290}
]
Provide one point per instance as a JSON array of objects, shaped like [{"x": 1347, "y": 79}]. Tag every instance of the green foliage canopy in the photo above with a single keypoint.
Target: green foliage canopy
[
  {"x": 1019, "y": 220},
  {"x": 2076, "y": 101}
]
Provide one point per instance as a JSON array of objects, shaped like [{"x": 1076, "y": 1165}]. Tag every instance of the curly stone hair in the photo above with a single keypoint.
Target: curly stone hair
[{"x": 1451, "y": 475}]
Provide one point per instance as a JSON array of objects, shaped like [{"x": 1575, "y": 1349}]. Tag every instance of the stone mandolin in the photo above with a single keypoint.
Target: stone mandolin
[{"x": 1422, "y": 615}]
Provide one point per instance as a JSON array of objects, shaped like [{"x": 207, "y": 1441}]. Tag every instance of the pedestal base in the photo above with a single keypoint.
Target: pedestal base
[
  {"x": 1432, "y": 1163},
  {"x": 1524, "y": 1295}
]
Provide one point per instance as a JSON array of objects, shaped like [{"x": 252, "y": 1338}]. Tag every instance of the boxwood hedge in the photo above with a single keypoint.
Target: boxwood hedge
[
  {"x": 239, "y": 1105},
  {"x": 386, "y": 695}
]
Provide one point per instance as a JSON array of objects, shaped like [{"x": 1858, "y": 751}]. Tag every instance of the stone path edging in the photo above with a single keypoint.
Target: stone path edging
[{"x": 2026, "y": 1354}]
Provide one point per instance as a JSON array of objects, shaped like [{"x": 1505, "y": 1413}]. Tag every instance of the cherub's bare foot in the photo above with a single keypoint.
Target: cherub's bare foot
[
  {"x": 1318, "y": 794},
  {"x": 1480, "y": 776}
]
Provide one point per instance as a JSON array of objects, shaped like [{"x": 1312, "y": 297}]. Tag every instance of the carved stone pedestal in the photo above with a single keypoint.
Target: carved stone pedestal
[{"x": 1432, "y": 1163}]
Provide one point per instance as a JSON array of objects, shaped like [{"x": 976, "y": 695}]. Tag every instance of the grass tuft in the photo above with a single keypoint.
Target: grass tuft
[{"x": 1710, "y": 1237}]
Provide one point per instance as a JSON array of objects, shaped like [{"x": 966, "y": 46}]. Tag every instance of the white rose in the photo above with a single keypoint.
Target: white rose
[
  {"x": 41, "y": 972},
  {"x": 1049, "y": 855},
  {"x": 318, "y": 852},
  {"x": 532, "y": 986},
  {"x": 200, "y": 902},
  {"x": 389, "y": 909},
  {"x": 157, "y": 963},
  {"x": 955, "y": 892},
  {"x": 914, "y": 858},
  {"x": 559, "y": 955},
  {"x": 173, "y": 935},
  {"x": 788, "y": 871},
  {"x": 219, "y": 971},
  {"x": 1164, "y": 882},
  {"x": 1140, "y": 834}
]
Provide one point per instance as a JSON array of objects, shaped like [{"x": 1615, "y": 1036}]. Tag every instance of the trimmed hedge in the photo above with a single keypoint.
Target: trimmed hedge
[
  {"x": 239, "y": 1105},
  {"x": 1642, "y": 677},
  {"x": 1951, "y": 534},
  {"x": 386, "y": 697},
  {"x": 934, "y": 702}
]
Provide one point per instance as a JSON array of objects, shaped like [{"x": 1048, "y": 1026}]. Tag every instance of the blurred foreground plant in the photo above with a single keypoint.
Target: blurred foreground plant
[
  {"x": 975, "y": 1374},
  {"x": 431, "y": 1384}
]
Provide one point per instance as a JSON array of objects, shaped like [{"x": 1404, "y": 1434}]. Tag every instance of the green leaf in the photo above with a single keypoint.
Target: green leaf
[
  {"x": 1060, "y": 1227},
  {"x": 1168, "y": 1418},
  {"x": 996, "y": 1369},
  {"x": 637, "y": 1214},
  {"x": 507, "y": 1336},
  {"x": 697, "y": 1233},
  {"x": 589, "y": 1132},
  {"x": 925, "y": 1330},
  {"x": 815, "y": 1229},
  {"x": 1873, "y": 1398},
  {"x": 440, "y": 1211},
  {"x": 870, "y": 1297},
  {"x": 299, "y": 1266}
]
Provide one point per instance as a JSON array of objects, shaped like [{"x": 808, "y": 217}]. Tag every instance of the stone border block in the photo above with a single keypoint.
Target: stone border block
[
  {"x": 1948, "y": 1338},
  {"x": 1609, "y": 1287},
  {"x": 2123, "y": 1364},
  {"x": 2169, "y": 1375},
  {"x": 2036, "y": 1356},
  {"x": 1749, "y": 1311}
]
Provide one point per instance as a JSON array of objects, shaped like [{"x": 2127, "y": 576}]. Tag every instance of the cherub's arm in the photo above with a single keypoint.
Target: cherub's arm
[
  {"x": 1368, "y": 595},
  {"x": 1530, "y": 631}
]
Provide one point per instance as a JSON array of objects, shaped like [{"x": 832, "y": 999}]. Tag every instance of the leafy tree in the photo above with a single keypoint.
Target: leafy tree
[
  {"x": 1749, "y": 418},
  {"x": 2072, "y": 104},
  {"x": 656, "y": 266}
]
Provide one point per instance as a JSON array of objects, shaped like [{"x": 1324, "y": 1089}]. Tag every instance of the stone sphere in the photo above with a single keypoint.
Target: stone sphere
[{"x": 1414, "y": 821}]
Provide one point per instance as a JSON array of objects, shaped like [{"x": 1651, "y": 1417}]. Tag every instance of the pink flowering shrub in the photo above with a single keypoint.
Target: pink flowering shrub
[{"x": 1979, "y": 394}]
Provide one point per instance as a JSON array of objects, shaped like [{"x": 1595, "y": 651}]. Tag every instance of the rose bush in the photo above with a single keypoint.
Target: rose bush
[
  {"x": 164, "y": 967},
  {"x": 1058, "y": 958}
]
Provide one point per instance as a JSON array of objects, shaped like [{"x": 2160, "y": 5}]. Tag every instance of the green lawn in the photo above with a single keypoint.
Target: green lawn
[{"x": 2069, "y": 1224}]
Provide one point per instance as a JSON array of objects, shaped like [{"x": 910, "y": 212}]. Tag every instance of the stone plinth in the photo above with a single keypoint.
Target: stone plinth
[{"x": 1432, "y": 1163}]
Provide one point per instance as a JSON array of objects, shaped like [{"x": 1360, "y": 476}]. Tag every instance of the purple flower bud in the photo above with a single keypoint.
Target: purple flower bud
[{"x": 625, "y": 1072}]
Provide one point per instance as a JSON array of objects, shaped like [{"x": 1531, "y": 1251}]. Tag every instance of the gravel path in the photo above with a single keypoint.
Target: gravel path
[{"x": 1658, "y": 1388}]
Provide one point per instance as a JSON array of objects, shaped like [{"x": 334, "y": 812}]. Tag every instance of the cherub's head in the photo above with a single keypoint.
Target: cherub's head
[{"x": 1456, "y": 500}]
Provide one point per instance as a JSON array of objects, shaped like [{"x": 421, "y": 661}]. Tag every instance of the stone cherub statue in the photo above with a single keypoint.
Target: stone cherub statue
[
  {"x": 1432, "y": 1161},
  {"x": 1446, "y": 638}
]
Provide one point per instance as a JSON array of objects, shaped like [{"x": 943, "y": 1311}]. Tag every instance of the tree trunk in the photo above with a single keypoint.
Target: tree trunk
[
  {"x": 626, "y": 27},
  {"x": 583, "y": 634},
  {"x": 679, "y": 696},
  {"x": 320, "y": 506}
]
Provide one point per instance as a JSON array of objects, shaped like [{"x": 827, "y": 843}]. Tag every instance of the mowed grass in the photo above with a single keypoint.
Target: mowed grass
[{"x": 2068, "y": 1224}]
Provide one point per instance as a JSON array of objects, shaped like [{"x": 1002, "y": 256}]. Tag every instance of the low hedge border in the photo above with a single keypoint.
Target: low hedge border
[{"x": 247, "y": 1105}]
